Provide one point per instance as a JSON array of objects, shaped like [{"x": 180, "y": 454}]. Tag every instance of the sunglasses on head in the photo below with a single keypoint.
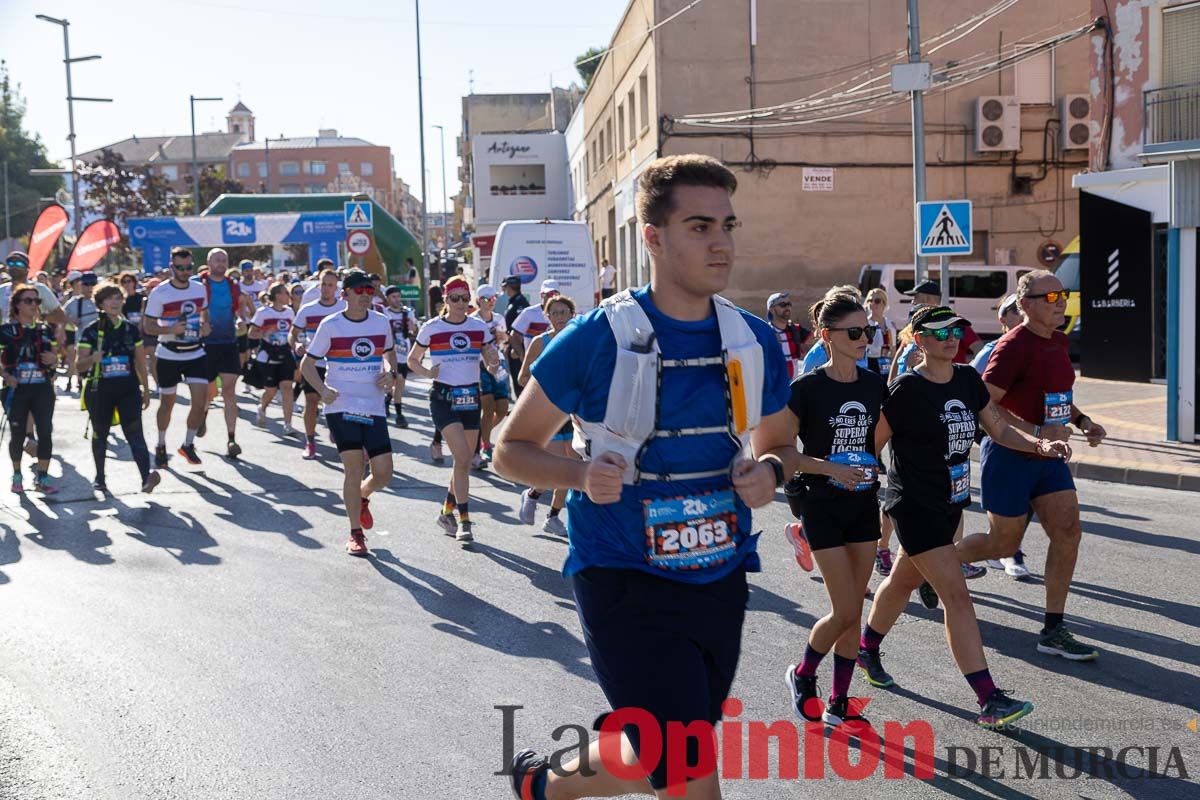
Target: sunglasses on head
[
  {"x": 363, "y": 290},
  {"x": 945, "y": 333},
  {"x": 856, "y": 333},
  {"x": 1053, "y": 297},
  {"x": 458, "y": 298}
]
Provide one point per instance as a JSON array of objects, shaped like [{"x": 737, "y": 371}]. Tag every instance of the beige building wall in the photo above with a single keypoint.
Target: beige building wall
[{"x": 805, "y": 241}]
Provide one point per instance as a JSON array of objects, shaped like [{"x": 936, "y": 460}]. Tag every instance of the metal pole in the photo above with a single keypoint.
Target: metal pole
[
  {"x": 424, "y": 195},
  {"x": 944, "y": 279},
  {"x": 77, "y": 214},
  {"x": 918, "y": 132},
  {"x": 7, "y": 224},
  {"x": 445, "y": 197},
  {"x": 195, "y": 175},
  {"x": 267, "y": 158}
]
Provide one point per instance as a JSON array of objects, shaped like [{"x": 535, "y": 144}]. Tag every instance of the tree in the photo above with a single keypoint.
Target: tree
[
  {"x": 22, "y": 152},
  {"x": 118, "y": 192},
  {"x": 213, "y": 184},
  {"x": 587, "y": 63}
]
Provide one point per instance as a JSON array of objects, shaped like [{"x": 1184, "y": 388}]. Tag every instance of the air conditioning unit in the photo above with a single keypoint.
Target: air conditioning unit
[
  {"x": 997, "y": 124},
  {"x": 1075, "y": 111}
]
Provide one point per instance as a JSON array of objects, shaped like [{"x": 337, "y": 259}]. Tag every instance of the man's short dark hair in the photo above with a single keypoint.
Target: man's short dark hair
[
  {"x": 179, "y": 251},
  {"x": 655, "y": 196}
]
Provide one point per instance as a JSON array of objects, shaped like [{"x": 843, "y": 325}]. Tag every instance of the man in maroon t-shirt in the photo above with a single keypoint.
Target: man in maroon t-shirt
[{"x": 1030, "y": 377}]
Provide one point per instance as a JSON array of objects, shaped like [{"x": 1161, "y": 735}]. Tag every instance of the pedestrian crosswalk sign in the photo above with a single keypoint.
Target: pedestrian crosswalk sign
[
  {"x": 358, "y": 215},
  {"x": 944, "y": 228}
]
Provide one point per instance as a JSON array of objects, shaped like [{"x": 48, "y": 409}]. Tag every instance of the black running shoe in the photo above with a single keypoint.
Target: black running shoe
[
  {"x": 929, "y": 597},
  {"x": 804, "y": 693},
  {"x": 99, "y": 485},
  {"x": 526, "y": 767},
  {"x": 160, "y": 457},
  {"x": 872, "y": 666},
  {"x": 188, "y": 451},
  {"x": 1001, "y": 710},
  {"x": 838, "y": 711}
]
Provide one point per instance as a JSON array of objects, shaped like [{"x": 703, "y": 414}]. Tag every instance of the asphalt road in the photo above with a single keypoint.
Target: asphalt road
[{"x": 213, "y": 640}]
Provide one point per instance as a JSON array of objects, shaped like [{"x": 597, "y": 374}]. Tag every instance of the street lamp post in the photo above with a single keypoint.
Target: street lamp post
[
  {"x": 421, "y": 126},
  {"x": 196, "y": 175},
  {"x": 445, "y": 223},
  {"x": 71, "y": 98}
]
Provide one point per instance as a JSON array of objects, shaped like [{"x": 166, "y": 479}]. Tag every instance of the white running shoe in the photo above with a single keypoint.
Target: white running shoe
[
  {"x": 260, "y": 419},
  {"x": 1014, "y": 566},
  {"x": 555, "y": 525},
  {"x": 528, "y": 508},
  {"x": 290, "y": 433}
]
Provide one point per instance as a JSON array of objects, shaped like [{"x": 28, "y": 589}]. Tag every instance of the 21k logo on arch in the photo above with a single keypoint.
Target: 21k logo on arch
[{"x": 237, "y": 230}]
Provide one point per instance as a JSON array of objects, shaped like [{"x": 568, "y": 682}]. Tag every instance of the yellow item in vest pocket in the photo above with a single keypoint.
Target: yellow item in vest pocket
[{"x": 737, "y": 395}]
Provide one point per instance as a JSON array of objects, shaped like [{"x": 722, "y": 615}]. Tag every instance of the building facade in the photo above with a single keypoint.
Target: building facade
[
  {"x": 825, "y": 165},
  {"x": 1140, "y": 203},
  {"x": 325, "y": 163},
  {"x": 171, "y": 156}
]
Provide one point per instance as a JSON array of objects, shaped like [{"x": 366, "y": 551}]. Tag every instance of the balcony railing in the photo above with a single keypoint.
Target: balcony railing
[{"x": 1171, "y": 117}]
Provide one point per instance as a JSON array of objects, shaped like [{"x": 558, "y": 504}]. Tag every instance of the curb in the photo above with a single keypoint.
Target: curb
[{"x": 1129, "y": 476}]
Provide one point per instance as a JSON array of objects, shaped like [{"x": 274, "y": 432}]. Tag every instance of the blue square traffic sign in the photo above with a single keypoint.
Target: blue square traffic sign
[
  {"x": 358, "y": 215},
  {"x": 944, "y": 228}
]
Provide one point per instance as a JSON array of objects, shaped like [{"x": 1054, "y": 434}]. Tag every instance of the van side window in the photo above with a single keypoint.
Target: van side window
[{"x": 979, "y": 284}]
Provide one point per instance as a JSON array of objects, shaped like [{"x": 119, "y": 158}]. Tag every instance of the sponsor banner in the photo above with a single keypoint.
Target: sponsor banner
[
  {"x": 93, "y": 244},
  {"x": 46, "y": 231}
]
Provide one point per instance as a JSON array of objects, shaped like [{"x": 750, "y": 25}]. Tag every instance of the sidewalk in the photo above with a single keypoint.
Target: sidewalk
[{"x": 1134, "y": 414}]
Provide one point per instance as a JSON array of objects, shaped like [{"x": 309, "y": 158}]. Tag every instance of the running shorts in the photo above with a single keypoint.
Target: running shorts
[
  {"x": 922, "y": 529},
  {"x": 402, "y": 370},
  {"x": 243, "y": 342},
  {"x": 349, "y": 434},
  {"x": 170, "y": 373},
  {"x": 221, "y": 359},
  {"x": 307, "y": 387},
  {"x": 1009, "y": 481},
  {"x": 444, "y": 414},
  {"x": 666, "y": 647},
  {"x": 835, "y": 518},
  {"x": 274, "y": 374},
  {"x": 489, "y": 385}
]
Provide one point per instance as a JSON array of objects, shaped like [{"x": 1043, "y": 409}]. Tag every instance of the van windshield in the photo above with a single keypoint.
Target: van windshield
[{"x": 1068, "y": 272}]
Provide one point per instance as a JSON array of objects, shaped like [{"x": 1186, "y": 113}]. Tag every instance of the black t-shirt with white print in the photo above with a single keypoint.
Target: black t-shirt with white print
[
  {"x": 933, "y": 429},
  {"x": 837, "y": 423}
]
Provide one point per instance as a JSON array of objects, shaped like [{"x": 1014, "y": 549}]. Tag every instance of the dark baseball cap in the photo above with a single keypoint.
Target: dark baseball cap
[
  {"x": 935, "y": 318},
  {"x": 925, "y": 287},
  {"x": 512, "y": 281},
  {"x": 17, "y": 256},
  {"x": 356, "y": 277}
]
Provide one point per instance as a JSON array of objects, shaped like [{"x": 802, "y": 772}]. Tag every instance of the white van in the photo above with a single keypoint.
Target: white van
[
  {"x": 537, "y": 250},
  {"x": 976, "y": 290}
]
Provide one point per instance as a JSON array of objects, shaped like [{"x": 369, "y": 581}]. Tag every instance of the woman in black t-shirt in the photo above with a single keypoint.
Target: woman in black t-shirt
[
  {"x": 111, "y": 358},
  {"x": 930, "y": 417},
  {"x": 833, "y": 491}
]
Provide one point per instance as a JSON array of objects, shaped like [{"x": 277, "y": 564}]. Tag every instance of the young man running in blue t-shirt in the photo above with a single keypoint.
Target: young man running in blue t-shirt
[{"x": 675, "y": 392}]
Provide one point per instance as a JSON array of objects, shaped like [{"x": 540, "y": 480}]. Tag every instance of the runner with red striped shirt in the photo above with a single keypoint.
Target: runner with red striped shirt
[
  {"x": 305, "y": 326},
  {"x": 793, "y": 338}
]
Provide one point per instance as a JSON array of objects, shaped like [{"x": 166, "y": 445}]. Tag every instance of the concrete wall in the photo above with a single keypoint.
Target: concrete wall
[{"x": 806, "y": 241}]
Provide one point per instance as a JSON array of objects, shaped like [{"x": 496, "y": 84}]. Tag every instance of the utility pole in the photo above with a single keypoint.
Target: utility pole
[
  {"x": 196, "y": 175},
  {"x": 7, "y": 224},
  {"x": 77, "y": 215},
  {"x": 445, "y": 197},
  {"x": 421, "y": 124},
  {"x": 918, "y": 132}
]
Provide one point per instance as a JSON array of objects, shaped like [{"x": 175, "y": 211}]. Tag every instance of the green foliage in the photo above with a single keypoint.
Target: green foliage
[
  {"x": 22, "y": 152},
  {"x": 587, "y": 63}
]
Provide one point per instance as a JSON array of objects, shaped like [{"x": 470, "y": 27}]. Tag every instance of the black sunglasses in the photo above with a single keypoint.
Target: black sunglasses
[
  {"x": 856, "y": 333},
  {"x": 37, "y": 301}
]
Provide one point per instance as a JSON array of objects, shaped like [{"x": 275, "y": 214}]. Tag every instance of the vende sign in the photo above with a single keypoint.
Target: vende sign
[{"x": 817, "y": 179}]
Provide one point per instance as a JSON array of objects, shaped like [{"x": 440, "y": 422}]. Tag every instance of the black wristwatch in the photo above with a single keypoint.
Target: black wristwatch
[{"x": 775, "y": 465}]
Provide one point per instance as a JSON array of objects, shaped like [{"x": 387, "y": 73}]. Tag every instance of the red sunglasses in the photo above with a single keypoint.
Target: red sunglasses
[{"x": 363, "y": 290}]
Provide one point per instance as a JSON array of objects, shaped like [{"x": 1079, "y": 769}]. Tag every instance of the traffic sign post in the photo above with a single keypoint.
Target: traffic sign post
[
  {"x": 944, "y": 230},
  {"x": 358, "y": 215}
]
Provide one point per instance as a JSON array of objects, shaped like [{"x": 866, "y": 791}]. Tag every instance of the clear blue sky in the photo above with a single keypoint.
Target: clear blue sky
[{"x": 299, "y": 65}]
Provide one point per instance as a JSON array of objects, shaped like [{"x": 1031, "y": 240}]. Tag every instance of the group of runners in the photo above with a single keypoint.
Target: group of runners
[{"x": 656, "y": 423}]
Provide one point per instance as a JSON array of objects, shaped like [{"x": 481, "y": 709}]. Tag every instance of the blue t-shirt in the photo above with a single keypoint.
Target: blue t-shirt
[
  {"x": 981, "y": 359},
  {"x": 817, "y": 356},
  {"x": 575, "y": 371},
  {"x": 902, "y": 358},
  {"x": 220, "y": 313}
]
